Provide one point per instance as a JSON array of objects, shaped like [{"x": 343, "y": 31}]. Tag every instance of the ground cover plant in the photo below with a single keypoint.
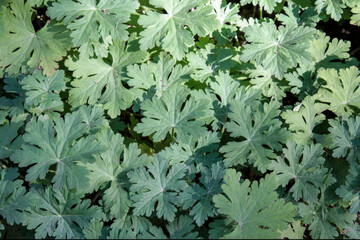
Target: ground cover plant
[{"x": 179, "y": 119}]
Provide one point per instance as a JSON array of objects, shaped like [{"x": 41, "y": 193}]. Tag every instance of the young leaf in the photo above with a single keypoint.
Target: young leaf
[
  {"x": 256, "y": 212},
  {"x": 160, "y": 188}
]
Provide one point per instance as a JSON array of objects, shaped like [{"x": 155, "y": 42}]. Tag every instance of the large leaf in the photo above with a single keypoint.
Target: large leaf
[
  {"x": 61, "y": 143},
  {"x": 165, "y": 115},
  {"x": 277, "y": 49},
  {"x": 157, "y": 186},
  {"x": 94, "y": 23},
  {"x": 257, "y": 128},
  {"x": 341, "y": 91},
  {"x": 23, "y": 49},
  {"x": 59, "y": 214},
  {"x": 256, "y": 211},
  {"x": 97, "y": 81},
  {"x": 168, "y": 30}
]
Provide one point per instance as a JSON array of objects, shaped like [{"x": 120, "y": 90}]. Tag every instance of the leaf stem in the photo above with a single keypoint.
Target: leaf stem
[{"x": 96, "y": 196}]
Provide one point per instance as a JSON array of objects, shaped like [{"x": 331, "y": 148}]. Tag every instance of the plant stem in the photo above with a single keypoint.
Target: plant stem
[{"x": 261, "y": 13}]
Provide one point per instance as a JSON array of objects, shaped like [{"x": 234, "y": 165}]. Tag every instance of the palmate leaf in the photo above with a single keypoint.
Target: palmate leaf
[
  {"x": 334, "y": 8},
  {"x": 341, "y": 91},
  {"x": 14, "y": 198},
  {"x": 23, "y": 49},
  {"x": 303, "y": 121},
  {"x": 93, "y": 22},
  {"x": 161, "y": 188},
  {"x": 199, "y": 196},
  {"x": 268, "y": 5},
  {"x": 355, "y": 18},
  {"x": 155, "y": 78},
  {"x": 277, "y": 50},
  {"x": 109, "y": 172},
  {"x": 322, "y": 218},
  {"x": 294, "y": 231},
  {"x": 305, "y": 167},
  {"x": 195, "y": 152},
  {"x": 168, "y": 30},
  {"x": 346, "y": 138},
  {"x": 97, "y": 81},
  {"x": 59, "y": 214},
  {"x": 260, "y": 127},
  {"x": 62, "y": 143},
  {"x": 350, "y": 191},
  {"x": 208, "y": 61},
  {"x": 256, "y": 211},
  {"x": 10, "y": 141},
  {"x": 165, "y": 115},
  {"x": 42, "y": 93}
]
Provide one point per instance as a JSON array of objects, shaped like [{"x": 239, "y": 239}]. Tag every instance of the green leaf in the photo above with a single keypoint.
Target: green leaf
[
  {"x": 10, "y": 141},
  {"x": 97, "y": 81},
  {"x": 161, "y": 188},
  {"x": 22, "y": 49},
  {"x": 277, "y": 50},
  {"x": 321, "y": 218},
  {"x": 257, "y": 128},
  {"x": 109, "y": 172},
  {"x": 225, "y": 87},
  {"x": 165, "y": 115},
  {"x": 341, "y": 91},
  {"x": 350, "y": 191},
  {"x": 61, "y": 143},
  {"x": 334, "y": 8},
  {"x": 199, "y": 196},
  {"x": 201, "y": 151},
  {"x": 355, "y": 18},
  {"x": 155, "y": 78},
  {"x": 59, "y": 214},
  {"x": 304, "y": 166},
  {"x": 303, "y": 121},
  {"x": 182, "y": 228},
  {"x": 294, "y": 231},
  {"x": 250, "y": 209},
  {"x": 268, "y": 5},
  {"x": 168, "y": 30},
  {"x": 309, "y": 17},
  {"x": 346, "y": 138},
  {"x": 208, "y": 61},
  {"x": 94, "y": 24},
  {"x": 226, "y": 13},
  {"x": 42, "y": 93},
  {"x": 14, "y": 198}
]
